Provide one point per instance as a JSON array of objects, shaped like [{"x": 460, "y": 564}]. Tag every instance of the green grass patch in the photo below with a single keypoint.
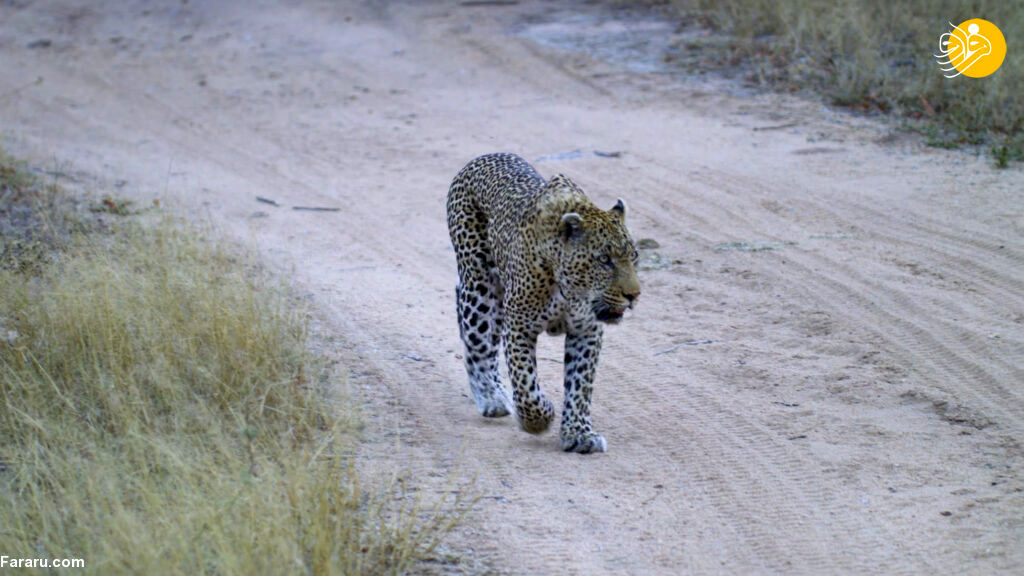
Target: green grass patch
[
  {"x": 161, "y": 411},
  {"x": 873, "y": 56}
]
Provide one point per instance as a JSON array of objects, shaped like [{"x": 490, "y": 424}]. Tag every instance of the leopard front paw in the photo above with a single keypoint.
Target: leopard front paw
[
  {"x": 583, "y": 443},
  {"x": 536, "y": 418}
]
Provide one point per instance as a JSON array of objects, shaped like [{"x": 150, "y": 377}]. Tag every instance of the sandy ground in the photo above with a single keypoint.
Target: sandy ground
[{"x": 824, "y": 374}]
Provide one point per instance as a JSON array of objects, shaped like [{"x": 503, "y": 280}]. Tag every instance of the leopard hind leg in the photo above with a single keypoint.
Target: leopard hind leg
[
  {"x": 478, "y": 303},
  {"x": 480, "y": 329}
]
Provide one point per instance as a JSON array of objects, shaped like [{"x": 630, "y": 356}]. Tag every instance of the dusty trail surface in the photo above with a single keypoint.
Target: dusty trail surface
[{"x": 824, "y": 374}]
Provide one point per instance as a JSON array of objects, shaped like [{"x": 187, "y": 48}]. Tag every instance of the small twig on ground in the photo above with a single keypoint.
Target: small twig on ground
[
  {"x": 267, "y": 201},
  {"x": 19, "y": 89},
  {"x": 603, "y": 154},
  {"x": 57, "y": 174},
  {"x": 778, "y": 127},
  {"x": 681, "y": 344},
  {"x": 928, "y": 108},
  {"x": 316, "y": 208},
  {"x": 417, "y": 358}
]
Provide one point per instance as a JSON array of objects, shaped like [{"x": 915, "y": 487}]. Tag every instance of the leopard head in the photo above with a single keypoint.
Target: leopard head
[{"x": 596, "y": 257}]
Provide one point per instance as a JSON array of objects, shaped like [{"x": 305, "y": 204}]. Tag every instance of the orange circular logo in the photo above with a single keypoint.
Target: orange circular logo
[{"x": 974, "y": 48}]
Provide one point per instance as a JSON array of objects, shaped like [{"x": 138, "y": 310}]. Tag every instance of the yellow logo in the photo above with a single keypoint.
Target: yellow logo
[{"x": 975, "y": 48}]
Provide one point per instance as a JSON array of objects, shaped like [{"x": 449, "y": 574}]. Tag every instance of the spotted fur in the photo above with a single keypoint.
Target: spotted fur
[{"x": 535, "y": 256}]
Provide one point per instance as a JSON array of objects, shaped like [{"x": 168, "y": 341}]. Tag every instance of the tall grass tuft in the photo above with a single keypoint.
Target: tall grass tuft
[
  {"x": 877, "y": 55},
  {"x": 161, "y": 412}
]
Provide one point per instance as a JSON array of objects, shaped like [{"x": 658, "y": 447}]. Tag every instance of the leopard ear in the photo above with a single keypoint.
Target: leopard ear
[
  {"x": 620, "y": 208},
  {"x": 571, "y": 226}
]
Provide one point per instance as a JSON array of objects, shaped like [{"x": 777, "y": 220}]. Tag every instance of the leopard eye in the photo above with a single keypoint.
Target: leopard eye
[
  {"x": 634, "y": 256},
  {"x": 605, "y": 259}
]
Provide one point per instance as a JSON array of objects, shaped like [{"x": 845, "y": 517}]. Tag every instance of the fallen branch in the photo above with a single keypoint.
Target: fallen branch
[
  {"x": 681, "y": 344},
  {"x": 267, "y": 201}
]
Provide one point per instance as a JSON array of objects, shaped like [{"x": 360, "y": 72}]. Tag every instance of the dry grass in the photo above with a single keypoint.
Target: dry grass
[
  {"x": 161, "y": 412},
  {"x": 876, "y": 55}
]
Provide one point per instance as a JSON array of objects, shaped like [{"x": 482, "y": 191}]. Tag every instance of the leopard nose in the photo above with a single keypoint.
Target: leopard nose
[{"x": 632, "y": 298}]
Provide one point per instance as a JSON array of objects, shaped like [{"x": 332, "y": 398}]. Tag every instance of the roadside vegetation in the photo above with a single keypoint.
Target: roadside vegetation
[
  {"x": 871, "y": 56},
  {"x": 161, "y": 411}
]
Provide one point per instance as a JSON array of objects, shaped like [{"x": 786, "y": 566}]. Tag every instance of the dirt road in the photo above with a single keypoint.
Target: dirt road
[{"x": 824, "y": 374}]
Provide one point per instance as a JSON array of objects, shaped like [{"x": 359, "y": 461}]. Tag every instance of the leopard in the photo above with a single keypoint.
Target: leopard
[{"x": 536, "y": 256}]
